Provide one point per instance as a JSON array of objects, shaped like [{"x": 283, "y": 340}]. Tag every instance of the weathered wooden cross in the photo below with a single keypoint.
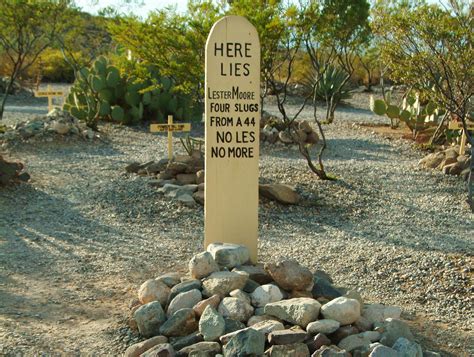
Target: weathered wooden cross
[
  {"x": 50, "y": 94},
  {"x": 455, "y": 125},
  {"x": 170, "y": 128}
]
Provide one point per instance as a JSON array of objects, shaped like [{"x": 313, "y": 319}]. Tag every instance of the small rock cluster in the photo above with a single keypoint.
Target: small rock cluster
[
  {"x": 12, "y": 172},
  {"x": 228, "y": 307},
  {"x": 449, "y": 162},
  {"x": 182, "y": 179},
  {"x": 55, "y": 123},
  {"x": 272, "y": 130}
]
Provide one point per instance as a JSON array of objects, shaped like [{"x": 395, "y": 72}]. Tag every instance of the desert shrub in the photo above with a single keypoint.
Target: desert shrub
[{"x": 102, "y": 92}]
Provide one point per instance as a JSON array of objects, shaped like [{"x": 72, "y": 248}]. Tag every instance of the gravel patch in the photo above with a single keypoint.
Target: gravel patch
[{"x": 77, "y": 241}]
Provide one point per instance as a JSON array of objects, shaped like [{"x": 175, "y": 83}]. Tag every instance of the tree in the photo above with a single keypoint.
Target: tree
[
  {"x": 334, "y": 31},
  {"x": 267, "y": 17},
  {"x": 28, "y": 28},
  {"x": 174, "y": 42},
  {"x": 431, "y": 49}
]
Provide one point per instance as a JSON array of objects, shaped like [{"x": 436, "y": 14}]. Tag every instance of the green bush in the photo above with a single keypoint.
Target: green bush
[{"x": 102, "y": 92}]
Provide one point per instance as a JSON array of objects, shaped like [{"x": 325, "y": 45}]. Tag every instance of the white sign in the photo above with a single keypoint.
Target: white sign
[{"x": 232, "y": 133}]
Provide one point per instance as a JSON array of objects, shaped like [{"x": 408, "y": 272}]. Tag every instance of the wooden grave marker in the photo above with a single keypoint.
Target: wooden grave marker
[
  {"x": 232, "y": 111},
  {"x": 456, "y": 125},
  {"x": 50, "y": 94},
  {"x": 170, "y": 128}
]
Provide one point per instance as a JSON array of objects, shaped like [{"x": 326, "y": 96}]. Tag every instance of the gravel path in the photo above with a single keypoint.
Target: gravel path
[{"x": 77, "y": 242}]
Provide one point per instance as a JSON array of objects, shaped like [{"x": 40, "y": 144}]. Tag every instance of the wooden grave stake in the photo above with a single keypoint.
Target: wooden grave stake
[
  {"x": 50, "y": 94},
  {"x": 170, "y": 128},
  {"x": 232, "y": 95},
  {"x": 455, "y": 125}
]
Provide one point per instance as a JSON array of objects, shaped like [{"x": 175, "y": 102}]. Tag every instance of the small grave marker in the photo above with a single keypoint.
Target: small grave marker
[
  {"x": 455, "y": 125},
  {"x": 232, "y": 94},
  {"x": 170, "y": 128},
  {"x": 50, "y": 94}
]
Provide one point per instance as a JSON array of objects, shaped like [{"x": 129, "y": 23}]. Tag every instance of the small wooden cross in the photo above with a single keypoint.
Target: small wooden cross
[
  {"x": 170, "y": 128},
  {"x": 50, "y": 94},
  {"x": 455, "y": 125}
]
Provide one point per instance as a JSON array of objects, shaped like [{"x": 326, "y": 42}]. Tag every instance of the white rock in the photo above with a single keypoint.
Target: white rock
[
  {"x": 153, "y": 290},
  {"x": 223, "y": 282},
  {"x": 184, "y": 300},
  {"x": 265, "y": 294},
  {"x": 235, "y": 309},
  {"x": 376, "y": 313},
  {"x": 299, "y": 311},
  {"x": 237, "y": 293},
  {"x": 229, "y": 255},
  {"x": 202, "y": 265},
  {"x": 342, "y": 309},
  {"x": 325, "y": 326}
]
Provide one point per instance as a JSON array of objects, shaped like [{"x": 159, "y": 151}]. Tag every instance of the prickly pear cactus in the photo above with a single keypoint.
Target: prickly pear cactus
[
  {"x": 101, "y": 92},
  {"x": 416, "y": 116}
]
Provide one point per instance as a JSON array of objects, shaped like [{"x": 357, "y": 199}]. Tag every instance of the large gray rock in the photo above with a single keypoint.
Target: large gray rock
[
  {"x": 170, "y": 279},
  {"x": 236, "y": 309},
  {"x": 290, "y": 275},
  {"x": 232, "y": 325},
  {"x": 299, "y": 311},
  {"x": 393, "y": 329},
  {"x": 286, "y": 337},
  {"x": 180, "y": 342},
  {"x": 265, "y": 294},
  {"x": 353, "y": 342},
  {"x": 161, "y": 350},
  {"x": 279, "y": 192},
  {"x": 240, "y": 294},
  {"x": 184, "y": 286},
  {"x": 407, "y": 348},
  {"x": 223, "y": 282},
  {"x": 212, "y": 348},
  {"x": 211, "y": 324},
  {"x": 137, "y": 349},
  {"x": 342, "y": 309},
  {"x": 174, "y": 191},
  {"x": 294, "y": 350},
  {"x": 183, "y": 300},
  {"x": 149, "y": 318},
  {"x": 181, "y": 323},
  {"x": 229, "y": 255},
  {"x": 268, "y": 326},
  {"x": 248, "y": 342},
  {"x": 383, "y": 351},
  {"x": 256, "y": 272},
  {"x": 377, "y": 313},
  {"x": 323, "y": 326},
  {"x": 153, "y": 290}
]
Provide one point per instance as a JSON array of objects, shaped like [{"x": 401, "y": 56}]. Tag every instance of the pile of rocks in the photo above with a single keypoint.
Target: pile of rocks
[
  {"x": 56, "y": 123},
  {"x": 272, "y": 131},
  {"x": 228, "y": 307},
  {"x": 12, "y": 172},
  {"x": 449, "y": 161},
  {"x": 182, "y": 179}
]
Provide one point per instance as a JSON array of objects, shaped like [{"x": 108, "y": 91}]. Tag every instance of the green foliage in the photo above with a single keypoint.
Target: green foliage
[
  {"x": 102, "y": 93},
  {"x": 429, "y": 48},
  {"x": 171, "y": 41},
  {"x": 416, "y": 116},
  {"x": 332, "y": 84},
  {"x": 27, "y": 29}
]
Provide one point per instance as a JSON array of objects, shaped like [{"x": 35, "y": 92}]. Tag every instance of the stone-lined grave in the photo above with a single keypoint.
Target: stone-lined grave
[{"x": 227, "y": 306}]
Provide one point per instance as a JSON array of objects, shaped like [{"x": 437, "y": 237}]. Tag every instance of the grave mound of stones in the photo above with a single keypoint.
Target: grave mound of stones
[
  {"x": 272, "y": 131},
  {"x": 182, "y": 179},
  {"x": 228, "y": 307},
  {"x": 449, "y": 161},
  {"x": 57, "y": 124}
]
